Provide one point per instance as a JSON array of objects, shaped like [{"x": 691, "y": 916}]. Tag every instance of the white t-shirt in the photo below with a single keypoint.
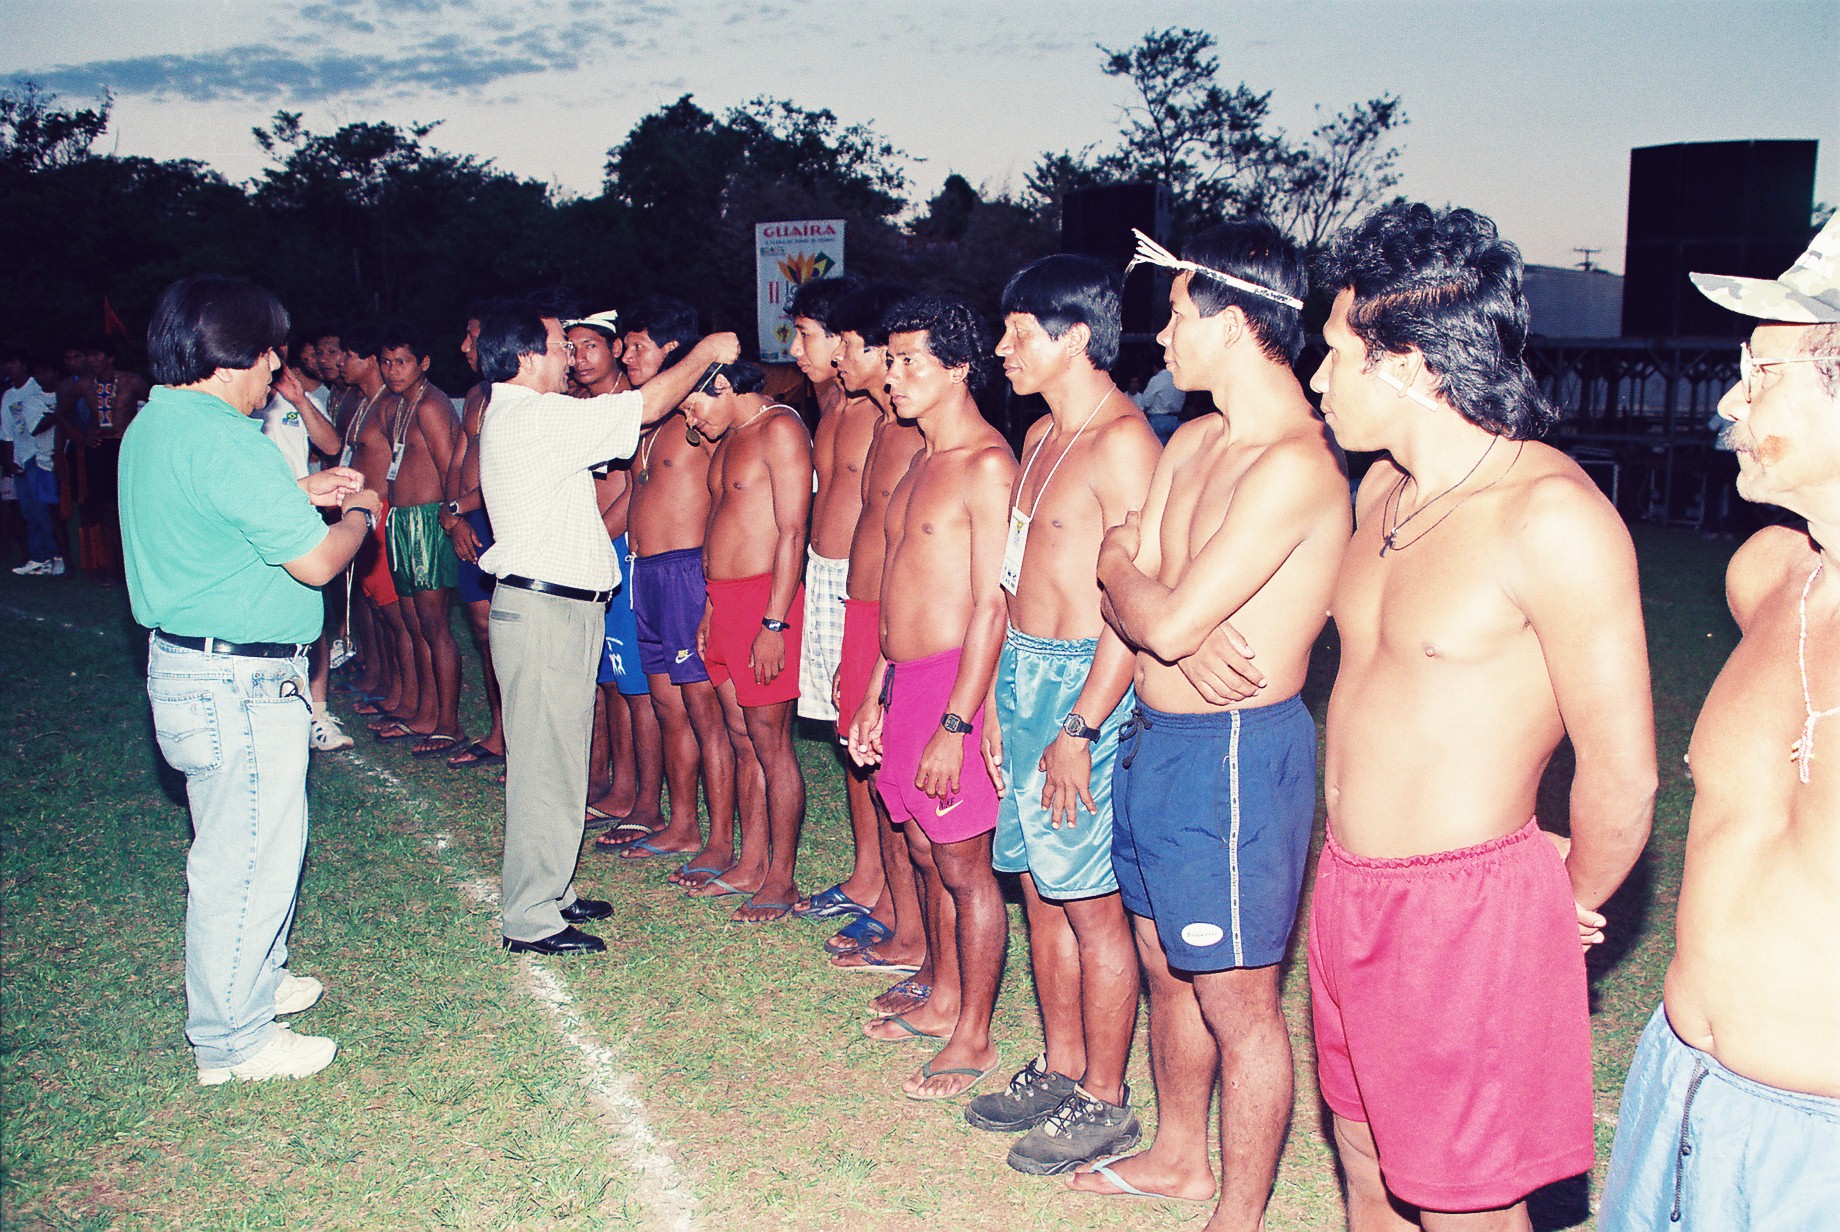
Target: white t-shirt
[
  {"x": 282, "y": 424},
  {"x": 20, "y": 411}
]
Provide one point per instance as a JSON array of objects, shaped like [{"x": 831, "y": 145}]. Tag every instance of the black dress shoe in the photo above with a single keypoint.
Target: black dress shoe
[
  {"x": 569, "y": 941},
  {"x": 583, "y": 909}
]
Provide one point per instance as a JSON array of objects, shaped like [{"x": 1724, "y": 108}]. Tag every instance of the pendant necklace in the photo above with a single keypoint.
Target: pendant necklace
[
  {"x": 1389, "y": 538},
  {"x": 1802, "y": 751}
]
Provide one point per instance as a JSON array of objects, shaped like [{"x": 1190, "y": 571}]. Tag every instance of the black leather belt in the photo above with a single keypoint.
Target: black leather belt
[
  {"x": 255, "y": 650},
  {"x": 554, "y": 588}
]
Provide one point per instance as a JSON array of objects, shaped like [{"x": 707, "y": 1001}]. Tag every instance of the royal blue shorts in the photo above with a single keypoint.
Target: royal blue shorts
[
  {"x": 476, "y": 584},
  {"x": 668, "y": 593},
  {"x": 1211, "y": 818},
  {"x": 620, "y": 654}
]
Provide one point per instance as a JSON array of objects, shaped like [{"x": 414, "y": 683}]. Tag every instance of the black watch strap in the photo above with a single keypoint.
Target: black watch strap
[
  {"x": 955, "y": 725},
  {"x": 772, "y": 625},
  {"x": 1076, "y": 727}
]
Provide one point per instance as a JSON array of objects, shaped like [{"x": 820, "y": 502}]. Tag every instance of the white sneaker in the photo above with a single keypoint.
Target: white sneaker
[
  {"x": 32, "y": 568},
  {"x": 296, "y": 993},
  {"x": 339, "y": 653},
  {"x": 57, "y": 567},
  {"x": 327, "y": 736},
  {"x": 285, "y": 1056}
]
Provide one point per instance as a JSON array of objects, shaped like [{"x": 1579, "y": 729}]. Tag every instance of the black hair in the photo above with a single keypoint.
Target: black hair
[
  {"x": 363, "y": 340},
  {"x": 818, "y": 299},
  {"x": 742, "y": 377},
  {"x": 610, "y": 336},
  {"x": 664, "y": 320},
  {"x": 1255, "y": 250},
  {"x": 954, "y": 334},
  {"x": 1444, "y": 283},
  {"x": 318, "y": 331},
  {"x": 102, "y": 343},
  {"x": 407, "y": 334},
  {"x": 1066, "y": 290},
  {"x": 206, "y": 322},
  {"x": 507, "y": 331},
  {"x": 864, "y": 311}
]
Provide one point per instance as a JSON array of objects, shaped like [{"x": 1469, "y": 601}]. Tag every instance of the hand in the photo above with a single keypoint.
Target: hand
[
  {"x": 1126, "y": 537},
  {"x": 465, "y": 540},
  {"x": 837, "y": 690},
  {"x": 1590, "y": 923},
  {"x": 865, "y": 741},
  {"x": 1221, "y": 668},
  {"x": 702, "y": 634},
  {"x": 725, "y": 346},
  {"x": 767, "y": 656},
  {"x": 1067, "y": 762},
  {"x": 992, "y": 748},
  {"x": 331, "y": 486},
  {"x": 289, "y": 387},
  {"x": 941, "y": 764},
  {"x": 364, "y": 498}
]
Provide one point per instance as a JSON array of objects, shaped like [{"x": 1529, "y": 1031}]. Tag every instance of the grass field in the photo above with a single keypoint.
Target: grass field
[{"x": 701, "y": 1074}]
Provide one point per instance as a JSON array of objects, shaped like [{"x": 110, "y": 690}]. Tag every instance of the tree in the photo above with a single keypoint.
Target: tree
[{"x": 38, "y": 135}]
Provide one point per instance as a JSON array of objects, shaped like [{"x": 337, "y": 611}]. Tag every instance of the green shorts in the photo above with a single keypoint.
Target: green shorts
[{"x": 421, "y": 555}]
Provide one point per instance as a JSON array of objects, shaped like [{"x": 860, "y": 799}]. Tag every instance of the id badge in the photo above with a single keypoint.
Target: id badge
[
  {"x": 396, "y": 457},
  {"x": 345, "y": 456},
  {"x": 1013, "y": 550}
]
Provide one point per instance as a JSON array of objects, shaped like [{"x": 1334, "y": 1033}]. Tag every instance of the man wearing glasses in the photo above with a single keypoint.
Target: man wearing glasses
[
  {"x": 1731, "y": 1117},
  {"x": 556, "y": 571}
]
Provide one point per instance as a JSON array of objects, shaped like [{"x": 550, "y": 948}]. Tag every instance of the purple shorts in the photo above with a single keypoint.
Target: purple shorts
[{"x": 668, "y": 593}]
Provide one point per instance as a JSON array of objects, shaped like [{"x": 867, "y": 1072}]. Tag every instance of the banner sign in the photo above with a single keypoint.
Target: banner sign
[{"x": 788, "y": 254}]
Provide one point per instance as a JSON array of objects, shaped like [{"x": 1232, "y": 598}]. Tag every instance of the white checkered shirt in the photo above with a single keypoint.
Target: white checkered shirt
[{"x": 535, "y": 452}]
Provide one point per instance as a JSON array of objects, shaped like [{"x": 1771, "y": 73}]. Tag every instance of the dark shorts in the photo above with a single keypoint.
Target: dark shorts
[
  {"x": 668, "y": 594},
  {"x": 620, "y": 655},
  {"x": 421, "y": 555},
  {"x": 475, "y": 583},
  {"x": 1211, "y": 817}
]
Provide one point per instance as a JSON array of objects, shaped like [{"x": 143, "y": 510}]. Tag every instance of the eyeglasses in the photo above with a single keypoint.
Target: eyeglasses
[
  {"x": 1749, "y": 366},
  {"x": 568, "y": 349}
]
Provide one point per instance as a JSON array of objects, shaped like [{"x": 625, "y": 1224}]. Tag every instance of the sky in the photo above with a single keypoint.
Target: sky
[{"x": 1523, "y": 110}]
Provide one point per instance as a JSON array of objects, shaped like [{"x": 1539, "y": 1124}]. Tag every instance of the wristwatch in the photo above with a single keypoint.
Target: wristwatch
[
  {"x": 452, "y": 507},
  {"x": 955, "y": 725},
  {"x": 1076, "y": 727},
  {"x": 370, "y": 519},
  {"x": 772, "y": 625}
]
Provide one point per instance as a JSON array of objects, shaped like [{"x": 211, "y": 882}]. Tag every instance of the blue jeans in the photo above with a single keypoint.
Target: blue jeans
[
  {"x": 38, "y": 502},
  {"x": 236, "y": 728}
]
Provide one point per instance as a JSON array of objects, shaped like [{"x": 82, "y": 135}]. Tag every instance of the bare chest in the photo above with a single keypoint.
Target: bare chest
[{"x": 1437, "y": 602}]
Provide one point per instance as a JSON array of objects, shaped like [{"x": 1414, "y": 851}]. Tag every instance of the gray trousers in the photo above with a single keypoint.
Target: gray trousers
[{"x": 544, "y": 649}]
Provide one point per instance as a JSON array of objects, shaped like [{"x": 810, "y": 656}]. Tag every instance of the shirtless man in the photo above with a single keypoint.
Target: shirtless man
[
  {"x": 626, "y": 734},
  {"x": 422, "y": 427},
  {"x": 840, "y": 442},
  {"x": 892, "y": 938},
  {"x": 469, "y": 530},
  {"x": 364, "y": 430},
  {"x": 666, "y": 516},
  {"x": 749, "y": 637},
  {"x": 109, "y": 399},
  {"x": 1087, "y": 464},
  {"x": 1214, "y": 799},
  {"x": 942, "y": 621},
  {"x": 1487, "y": 608},
  {"x": 1731, "y": 1118}
]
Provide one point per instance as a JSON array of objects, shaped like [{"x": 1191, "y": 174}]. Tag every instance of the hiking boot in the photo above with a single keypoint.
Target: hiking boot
[
  {"x": 296, "y": 993},
  {"x": 33, "y": 568},
  {"x": 1032, "y": 1095},
  {"x": 57, "y": 567},
  {"x": 1083, "y": 1128},
  {"x": 285, "y": 1056},
  {"x": 327, "y": 736}
]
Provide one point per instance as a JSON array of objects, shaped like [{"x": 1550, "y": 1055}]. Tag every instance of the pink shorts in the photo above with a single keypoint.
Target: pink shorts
[
  {"x": 1448, "y": 997},
  {"x": 862, "y": 644},
  {"x": 916, "y": 694},
  {"x": 736, "y": 606}
]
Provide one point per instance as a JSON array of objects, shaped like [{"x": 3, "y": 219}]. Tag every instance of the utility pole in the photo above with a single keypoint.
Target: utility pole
[{"x": 1587, "y": 254}]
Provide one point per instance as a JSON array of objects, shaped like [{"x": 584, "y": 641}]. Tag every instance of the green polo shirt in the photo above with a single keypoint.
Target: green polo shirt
[{"x": 209, "y": 514}]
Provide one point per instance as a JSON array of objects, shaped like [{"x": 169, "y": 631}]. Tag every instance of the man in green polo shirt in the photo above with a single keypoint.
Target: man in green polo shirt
[{"x": 223, "y": 552}]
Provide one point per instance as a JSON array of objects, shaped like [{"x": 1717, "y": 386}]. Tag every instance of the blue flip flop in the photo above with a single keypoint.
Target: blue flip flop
[
  {"x": 831, "y": 902},
  {"x": 863, "y": 930}
]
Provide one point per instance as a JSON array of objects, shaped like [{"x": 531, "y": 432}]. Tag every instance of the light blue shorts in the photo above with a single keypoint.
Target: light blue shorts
[
  {"x": 1038, "y": 681},
  {"x": 1701, "y": 1149}
]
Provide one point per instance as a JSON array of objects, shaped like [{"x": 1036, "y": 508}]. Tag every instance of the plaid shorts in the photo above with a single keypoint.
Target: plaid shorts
[{"x": 822, "y": 648}]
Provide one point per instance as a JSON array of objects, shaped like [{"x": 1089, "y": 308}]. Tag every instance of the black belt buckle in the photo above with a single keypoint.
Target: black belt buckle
[{"x": 217, "y": 645}]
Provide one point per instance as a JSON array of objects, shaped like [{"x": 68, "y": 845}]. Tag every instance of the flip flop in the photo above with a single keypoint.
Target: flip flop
[
  {"x": 829, "y": 903},
  {"x": 686, "y": 870},
  {"x": 643, "y": 831},
  {"x": 475, "y": 754},
  {"x": 976, "y": 1076},
  {"x": 401, "y": 733},
  {"x": 912, "y": 992},
  {"x": 910, "y": 1031},
  {"x": 725, "y": 888},
  {"x": 868, "y": 962},
  {"x": 650, "y": 849},
  {"x": 784, "y": 910},
  {"x": 863, "y": 930},
  {"x": 598, "y": 816},
  {"x": 447, "y": 742},
  {"x": 372, "y": 707},
  {"x": 1103, "y": 1168}
]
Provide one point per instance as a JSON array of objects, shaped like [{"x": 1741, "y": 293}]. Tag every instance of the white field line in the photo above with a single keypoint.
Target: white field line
[{"x": 661, "y": 1187}]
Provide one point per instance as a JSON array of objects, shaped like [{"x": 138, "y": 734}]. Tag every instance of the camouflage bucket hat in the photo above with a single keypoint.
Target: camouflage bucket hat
[{"x": 1808, "y": 294}]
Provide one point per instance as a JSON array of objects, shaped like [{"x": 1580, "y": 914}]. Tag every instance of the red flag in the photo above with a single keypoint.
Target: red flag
[{"x": 113, "y": 324}]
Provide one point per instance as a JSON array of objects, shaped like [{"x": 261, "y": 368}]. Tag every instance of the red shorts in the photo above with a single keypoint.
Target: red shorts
[
  {"x": 917, "y": 693},
  {"x": 862, "y": 645},
  {"x": 1448, "y": 997},
  {"x": 373, "y": 562},
  {"x": 736, "y": 606}
]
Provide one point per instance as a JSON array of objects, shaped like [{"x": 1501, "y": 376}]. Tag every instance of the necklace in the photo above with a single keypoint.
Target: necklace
[
  {"x": 1389, "y": 538},
  {"x": 1030, "y": 464},
  {"x": 645, "y": 456},
  {"x": 1802, "y": 751}
]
